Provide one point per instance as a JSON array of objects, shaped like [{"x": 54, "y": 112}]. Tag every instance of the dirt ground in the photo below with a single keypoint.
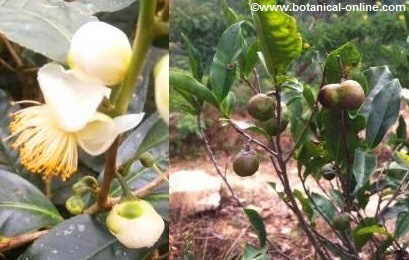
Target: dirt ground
[{"x": 222, "y": 233}]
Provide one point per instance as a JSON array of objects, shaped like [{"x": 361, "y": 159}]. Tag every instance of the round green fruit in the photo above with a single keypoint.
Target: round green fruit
[
  {"x": 272, "y": 127},
  {"x": 328, "y": 96},
  {"x": 348, "y": 95},
  {"x": 351, "y": 95},
  {"x": 261, "y": 107},
  {"x": 328, "y": 172},
  {"x": 246, "y": 163}
]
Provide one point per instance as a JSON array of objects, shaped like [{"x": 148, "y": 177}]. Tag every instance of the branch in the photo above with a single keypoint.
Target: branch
[{"x": 140, "y": 193}]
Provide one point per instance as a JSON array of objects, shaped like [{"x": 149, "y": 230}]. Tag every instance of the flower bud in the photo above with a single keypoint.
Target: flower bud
[
  {"x": 75, "y": 205},
  {"x": 100, "y": 51},
  {"x": 135, "y": 224},
  {"x": 147, "y": 160},
  {"x": 162, "y": 87}
]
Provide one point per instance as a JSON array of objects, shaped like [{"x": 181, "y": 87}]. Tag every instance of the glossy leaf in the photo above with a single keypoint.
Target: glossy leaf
[
  {"x": 341, "y": 61},
  {"x": 365, "y": 230},
  {"x": 278, "y": 36},
  {"x": 23, "y": 208},
  {"x": 83, "y": 238},
  {"x": 323, "y": 206},
  {"x": 194, "y": 58},
  {"x": 249, "y": 58},
  {"x": 184, "y": 83},
  {"x": 402, "y": 224},
  {"x": 305, "y": 204},
  {"x": 363, "y": 167},
  {"x": 43, "y": 26},
  {"x": 231, "y": 16},
  {"x": 223, "y": 69},
  {"x": 383, "y": 113},
  {"x": 258, "y": 225}
]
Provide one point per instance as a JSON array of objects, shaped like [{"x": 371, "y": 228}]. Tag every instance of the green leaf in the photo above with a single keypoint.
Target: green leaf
[
  {"x": 402, "y": 224},
  {"x": 23, "y": 208},
  {"x": 228, "y": 104},
  {"x": 324, "y": 207},
  {"x": 305, "y": 203},
  {"x": 252, "y": 253},
  {"x": 184, "y": 83},
  {"x": 365, "y": 230},
  {"x": 158, "y": 134},
  {"x": 343, "y": 59},
  {"x": 231, "y": 16},
  {"x": 43, "y": 26},
  {"x": 401, "y": 132},
  {"x": 194, "y": 58},
  {"x": 363, "y": 167},
  {"x": 279, "y": 38},
  {"x": 97, "y": 6},
  {"x": 81, "y": 238},
  {"x": 383, "y": 113},
  {"x": 248, "y": 58},
  {"x": 223, "y": 69},
  {"x": 258, "y": 225}
]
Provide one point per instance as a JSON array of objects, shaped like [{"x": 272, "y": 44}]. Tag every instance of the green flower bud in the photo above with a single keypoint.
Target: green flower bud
[
  {"x": 75, "y": 205},
  {"x": 147, "y": 160}
]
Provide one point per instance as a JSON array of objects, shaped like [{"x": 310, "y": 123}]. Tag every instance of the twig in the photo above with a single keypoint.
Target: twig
[
  {"x": 252, "y": 139},
  {"x": 20, "y": 240},
  {"x": 109, "y": 173},
  {"x": 140, "y": 193},
  {"x": 12, "y": 51},
  {"x": 211, "y": 155}
]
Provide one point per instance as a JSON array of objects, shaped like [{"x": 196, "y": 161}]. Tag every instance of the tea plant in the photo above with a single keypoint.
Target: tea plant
[{"x": 337, "y": 127}]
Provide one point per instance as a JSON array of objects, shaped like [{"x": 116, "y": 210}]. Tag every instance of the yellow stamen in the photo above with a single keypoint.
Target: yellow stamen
[{"x": 43, "y": 147}]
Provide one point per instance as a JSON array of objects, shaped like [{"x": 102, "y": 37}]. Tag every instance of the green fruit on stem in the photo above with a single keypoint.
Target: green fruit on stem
[
  {"x": 348, "y": 95},
  {"x": 246, "y": 163},
  {"x": 351, "y": 95},
  {"x": 328, "y": 96},
  {"x": 147, "y": 160},
  {"x": 328, "y": 172},
  {"x": 261, "y": 107},
  {"x": 341, "y": 222}
]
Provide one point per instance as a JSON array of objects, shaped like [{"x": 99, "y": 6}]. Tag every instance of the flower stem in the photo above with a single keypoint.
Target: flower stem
[
  {"x": 145, "y": 34},
  {"x": 143, "y": 40}
]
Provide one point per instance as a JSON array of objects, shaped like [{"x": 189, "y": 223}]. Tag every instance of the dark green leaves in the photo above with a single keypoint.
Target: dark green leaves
[
  {"x": 252, "y": 253},
  {"x": 340, "y": 62},
  {"x": 191, "y": 88},
  {"x": 23, "y": 208},
  {"x": 43, "y": 26},
  {"x": 365, "y": 230},
  {"x": 323, "y": 206},
  {"x": 278, "y": 36},
  {"x": 258, "y": 225},
  {"x": 81, "y": 238},
  {"x": 364, "y": 165},
  {"x": 194, "y": 58},
  {"x": 402, "y": 224},
  {"x": 223, "y": 68},
  {"x": 385, "y": 111}
]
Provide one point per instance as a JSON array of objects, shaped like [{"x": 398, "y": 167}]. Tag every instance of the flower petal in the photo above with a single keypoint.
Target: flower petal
[
  {"x": 98, "y": 135},
  {"x": 73, "y": 101},
  {"x": 127, "y": 122}
]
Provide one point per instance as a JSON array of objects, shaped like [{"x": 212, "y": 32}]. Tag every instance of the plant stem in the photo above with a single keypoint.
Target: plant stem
[
  {"x": 143, "y": 40},
  {"x": 109, "y": 173}
]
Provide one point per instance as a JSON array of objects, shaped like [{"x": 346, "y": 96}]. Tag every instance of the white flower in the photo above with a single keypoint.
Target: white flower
[
  {"x": 47, "y": 135},
  {"x": 100, "y": 51},
  {"x": 135, "y": 224},
  {"x": 162, "y": 87}
]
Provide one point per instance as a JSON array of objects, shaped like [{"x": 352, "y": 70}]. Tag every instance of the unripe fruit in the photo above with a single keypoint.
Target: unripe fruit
[
  {"x": 75, "y": 205},
  {"x": 348, "y": 95},
  {"x": 328, "y": 95},
  {"x": 147, "y": 160},
  {"x": 261, "y": 107},
  {"x": 328, "y": 172},
  {"x": 341, "y": 222},
  {"x": 162, "y": 87},
  {"x": 351, "y": 95},
  {"x": 272, "y": 127},
  {"x": 246, "y": 163}
]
